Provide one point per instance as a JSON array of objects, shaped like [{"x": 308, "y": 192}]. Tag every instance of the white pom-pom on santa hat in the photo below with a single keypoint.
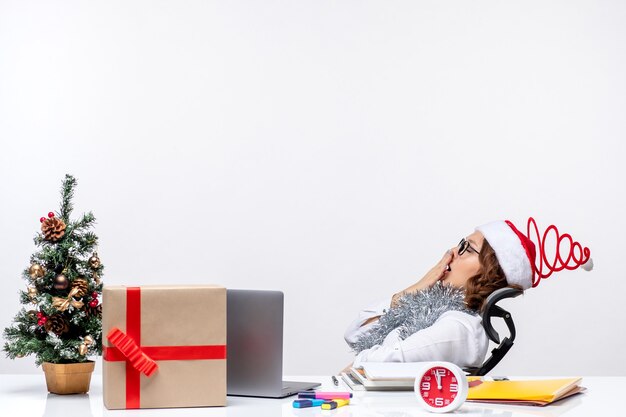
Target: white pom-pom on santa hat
[
  {"x": 587, "y": 266},
  {"x": 516, "y": 252}
]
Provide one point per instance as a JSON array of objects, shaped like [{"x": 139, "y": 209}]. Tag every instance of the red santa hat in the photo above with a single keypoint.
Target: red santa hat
[{"x": 517, "y": 253}]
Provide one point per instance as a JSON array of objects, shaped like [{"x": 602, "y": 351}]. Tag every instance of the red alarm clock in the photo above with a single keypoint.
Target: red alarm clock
[{"x": 441, "y": 387}]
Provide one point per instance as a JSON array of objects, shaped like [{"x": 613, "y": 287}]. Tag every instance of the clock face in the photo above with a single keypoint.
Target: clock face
[{"x": 439, "y": 387}]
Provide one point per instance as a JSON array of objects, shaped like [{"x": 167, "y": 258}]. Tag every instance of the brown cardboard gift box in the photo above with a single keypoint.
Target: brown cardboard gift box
[{"x": 174, "y": 334}]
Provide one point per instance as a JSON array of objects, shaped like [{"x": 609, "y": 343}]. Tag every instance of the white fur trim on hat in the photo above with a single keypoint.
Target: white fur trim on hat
[{"x": 510, "y": 252}]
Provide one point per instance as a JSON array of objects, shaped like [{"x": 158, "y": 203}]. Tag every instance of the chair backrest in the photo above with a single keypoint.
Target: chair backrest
[{"x": 492, "y": 310}]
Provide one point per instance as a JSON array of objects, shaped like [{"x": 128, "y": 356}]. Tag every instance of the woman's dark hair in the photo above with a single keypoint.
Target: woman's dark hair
[{"x": 489, "y": 278}]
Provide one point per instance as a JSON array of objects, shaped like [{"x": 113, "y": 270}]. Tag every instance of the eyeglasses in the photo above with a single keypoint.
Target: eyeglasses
[{"x": 465, "y": 245}]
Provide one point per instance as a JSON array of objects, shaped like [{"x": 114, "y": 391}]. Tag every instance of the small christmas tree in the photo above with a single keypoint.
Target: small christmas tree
[{"x": 64, "y": 321}]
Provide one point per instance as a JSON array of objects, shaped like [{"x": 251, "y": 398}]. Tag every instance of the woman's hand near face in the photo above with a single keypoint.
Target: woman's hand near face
[{"x": 428, "y": 280}]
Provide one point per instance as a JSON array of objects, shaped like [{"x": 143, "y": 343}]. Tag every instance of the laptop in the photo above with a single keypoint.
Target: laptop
[{"x": 255, "y": 345}]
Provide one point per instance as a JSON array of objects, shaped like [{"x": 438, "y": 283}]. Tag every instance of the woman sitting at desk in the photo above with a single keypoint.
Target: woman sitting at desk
[{"x": 436, "y": 319}]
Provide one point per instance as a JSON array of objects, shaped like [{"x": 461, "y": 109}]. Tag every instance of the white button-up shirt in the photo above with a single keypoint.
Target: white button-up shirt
[{"x": 455, "y": 337}]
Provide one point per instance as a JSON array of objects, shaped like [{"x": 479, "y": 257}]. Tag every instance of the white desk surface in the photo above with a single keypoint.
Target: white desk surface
[{"x": 26, "y": 395}]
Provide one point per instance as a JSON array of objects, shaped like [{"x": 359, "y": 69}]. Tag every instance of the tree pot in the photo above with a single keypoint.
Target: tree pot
[{"x": 68, "y": 378}]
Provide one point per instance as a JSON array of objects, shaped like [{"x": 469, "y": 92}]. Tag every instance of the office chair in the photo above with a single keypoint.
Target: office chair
[{"x": 492, "y": 310}]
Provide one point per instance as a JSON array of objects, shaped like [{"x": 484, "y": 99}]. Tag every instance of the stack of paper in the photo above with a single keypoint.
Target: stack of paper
[
  {"x": 383, "y": 376},
  {"x": 393, "y": 371},
  {"x": 525, "y": 392}
]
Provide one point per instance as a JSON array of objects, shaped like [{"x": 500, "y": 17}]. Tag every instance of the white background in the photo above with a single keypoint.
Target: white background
[{"x": 330, "y": 149}]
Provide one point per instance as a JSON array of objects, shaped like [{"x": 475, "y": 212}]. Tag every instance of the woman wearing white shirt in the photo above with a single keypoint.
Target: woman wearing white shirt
[{"x": 495, "y": 256}]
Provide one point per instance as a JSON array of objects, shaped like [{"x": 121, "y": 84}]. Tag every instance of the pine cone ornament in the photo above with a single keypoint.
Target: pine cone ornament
[
  {"x": 80, "y": 286},
  {"x": 56, "y": 324},
  {"x": 93, "y": 311},
  {"x": 53, "y": 229}
]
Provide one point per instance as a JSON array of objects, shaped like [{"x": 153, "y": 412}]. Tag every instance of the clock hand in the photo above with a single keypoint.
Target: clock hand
[{"x": 438, "y": 377}]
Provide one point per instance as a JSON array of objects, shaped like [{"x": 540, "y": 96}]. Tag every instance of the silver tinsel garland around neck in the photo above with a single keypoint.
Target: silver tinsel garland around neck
[{"x": 413, "y": 312}]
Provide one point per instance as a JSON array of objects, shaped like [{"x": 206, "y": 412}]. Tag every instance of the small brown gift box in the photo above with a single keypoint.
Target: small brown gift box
[{"x": 166, "y": 346}]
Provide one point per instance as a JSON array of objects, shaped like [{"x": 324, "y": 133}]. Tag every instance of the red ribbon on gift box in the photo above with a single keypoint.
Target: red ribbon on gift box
[{"x": 141, "y": 359}]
